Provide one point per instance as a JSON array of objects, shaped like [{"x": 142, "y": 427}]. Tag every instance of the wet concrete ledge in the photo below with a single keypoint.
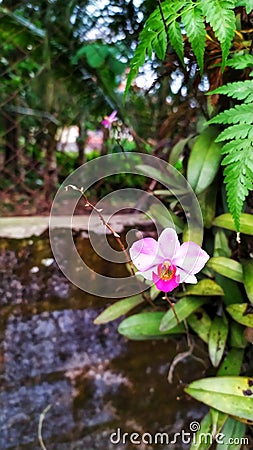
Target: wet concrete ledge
[{"x": 25, "y": 227}]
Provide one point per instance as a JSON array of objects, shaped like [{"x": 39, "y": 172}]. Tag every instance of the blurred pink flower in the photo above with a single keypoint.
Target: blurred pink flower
[
  {"x": 166, "y": 262},
  {"x": 108, "y": 120}
]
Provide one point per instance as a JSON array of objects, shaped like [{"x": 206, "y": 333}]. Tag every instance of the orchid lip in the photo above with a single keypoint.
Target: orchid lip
[{"x": 166, "y": 271}]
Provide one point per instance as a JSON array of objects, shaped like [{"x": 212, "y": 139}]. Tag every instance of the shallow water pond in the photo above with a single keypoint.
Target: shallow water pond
[{"x": 96, "y": 384}]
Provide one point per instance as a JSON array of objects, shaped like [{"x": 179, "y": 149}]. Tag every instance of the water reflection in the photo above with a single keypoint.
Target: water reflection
[{"x": 95, "y": 381}]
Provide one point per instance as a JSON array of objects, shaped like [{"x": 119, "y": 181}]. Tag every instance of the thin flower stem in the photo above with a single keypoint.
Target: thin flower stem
[
  {"x": 172, "y": 306},
  {"x": 114, "y": 233}
]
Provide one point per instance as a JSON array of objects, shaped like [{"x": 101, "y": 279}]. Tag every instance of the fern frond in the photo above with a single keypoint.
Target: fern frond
[
  {"x": 238, "y": 178},
  {"x": 240, "y": 61},
  {"x": 238, "y": 114},
  {"x": 193, "y": 22},
  {"x": 176, "y": 39},
  {"x": 154, "y": 37},
  {"x": 241, "y": 90},
  {"x": 247, "y": 3},
  {"x": 220, "y": 15},
  {"x": 151, "y": 31},
  {"x": 239, "y": 150},
  {"x": 240, "y": 131}
]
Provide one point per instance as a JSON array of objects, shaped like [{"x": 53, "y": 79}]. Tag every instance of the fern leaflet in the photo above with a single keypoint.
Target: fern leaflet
[
  {"x": 247, "y": 3},
  {"x": 238, "y": 114},
  {"x": 241, "y": 90},
  {"x": 220, "y": 15},
  {"x": 240, "y": 61},
  {"x": 239, "y": 148},
  {"x": 193, "y": 22},
  {"x": 176, "y": 39}
]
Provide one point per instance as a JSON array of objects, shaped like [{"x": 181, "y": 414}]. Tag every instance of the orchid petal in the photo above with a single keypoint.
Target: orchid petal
[
  {"x": 185, "y": 277},
  {"x": 165, "y": 285},
  {"x": 190, "y": 257},
  {"x": 113, "y": 115},
  {"x": 143, "y": 253},
  {"x": 147, "y": 274},
  {"x": 168, "y": 243}
]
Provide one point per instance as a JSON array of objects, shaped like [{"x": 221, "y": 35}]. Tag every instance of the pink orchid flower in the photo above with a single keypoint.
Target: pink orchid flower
[
  {"x": 166, "y": 262},
  {"x": 108, "y": 120}
]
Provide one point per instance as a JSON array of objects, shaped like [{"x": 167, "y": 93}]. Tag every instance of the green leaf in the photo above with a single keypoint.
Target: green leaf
[
  {"x": 193, "y": 21},
  {"x": 177, "y": 150},
  {"x": 220, "y": 15},
  {"x": 201, "y": 323},
  {"x": 176, "y": 39},
  {"x": 202, "y": 440},
  {"x": 241, "y": 313},
  {"x": 170, "y": 178},
  {"x": 204, "y": 160},
  {"x": 226, "y": 221},
  {"x": 217, "y": 339},
  {"x": 227, "y": 267},
  {"x": 221, "y": 247},
  {"x": 192, "y": 235},
  {"x": 236, "y": 337},
  {"x": 203, "y": 287},
  {"x": 231, "y": 395},
  {"x": 207, "y": 202},
  {"x": 146, "y": 326},
  {"x": 231, "y": 289},
  {"x": 166, "y": 217},
  {"x": 231, "y": 366},
  {"x": 154, "y": 292},
  {"x": 233, "y": 431},
  {"x": 183, "y": 309},
  {"x": 218, "y": 420},
  {"x": 247, "y": 267},
  {"x": 118, "y": 309}
]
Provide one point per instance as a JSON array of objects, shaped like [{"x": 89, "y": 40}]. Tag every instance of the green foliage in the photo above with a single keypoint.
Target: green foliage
[
  {"x": 165, "y": 25},
  {"x": 193, "y": 22},
  {"x": 204, "y": 160},
  {"x": 220, "y": 15},
  {"x": 183, "y": 309},
  {"x": 226, "y": 267},
  {"x": 226, "y": 221},
  {"x": 146, "y": 326},
  {"x": 240, "y": 61},
  {"x": 239, "y": 146},
  {"x": 223, "y": 393},
  {"x": 217, "y": 339}
]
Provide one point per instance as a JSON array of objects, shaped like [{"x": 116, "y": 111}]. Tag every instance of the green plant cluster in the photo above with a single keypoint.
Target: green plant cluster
[
  {"x": 163, "y": 27},
  {"x": 219, "y": 309}
]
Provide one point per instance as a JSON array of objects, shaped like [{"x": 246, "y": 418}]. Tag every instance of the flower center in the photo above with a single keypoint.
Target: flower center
[{"x": 166, "y": 271}]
